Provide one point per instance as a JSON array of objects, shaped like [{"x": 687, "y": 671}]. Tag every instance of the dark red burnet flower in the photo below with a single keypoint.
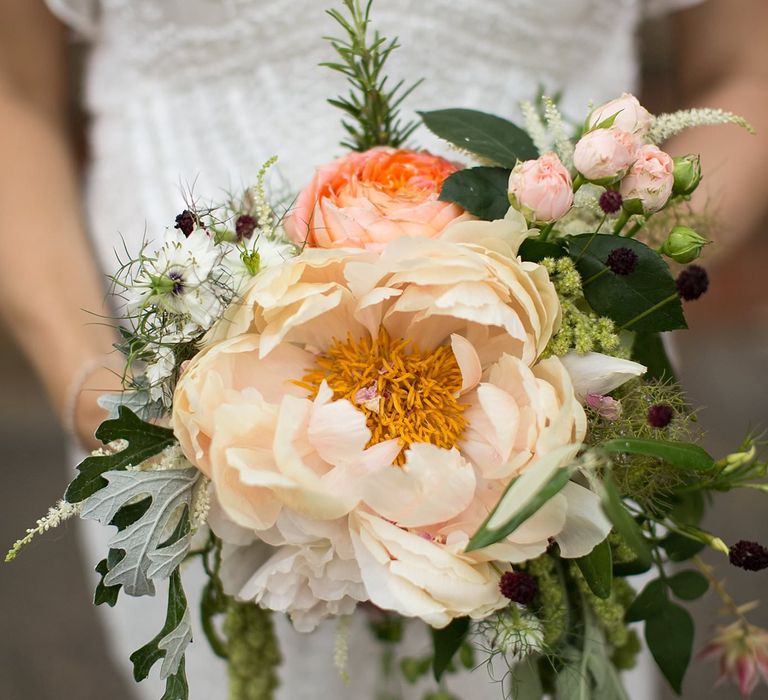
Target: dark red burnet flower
[
  {"x": 750, "y": 556},
  {"x": 186, "y": 222},
  {"x": 622, "y": 261},
  {"x": 519, "y": 587},
  {"x": 660, "y": 415},
  {"x": 245, "y": 225},
  {"x": 610, "y": 201},
  {"x": 692, "y": 282}
]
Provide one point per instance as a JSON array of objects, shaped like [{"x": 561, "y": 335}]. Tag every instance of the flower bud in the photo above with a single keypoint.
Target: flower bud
[
  {"x": 541, "y": 189},
  {"x": 604, "y": 155},
  {"x": 683, "y": 245},
  {"x": 649, "y": 180},
  {"x": 686, "y": 173},
  {"x": 630, "y": 116}
]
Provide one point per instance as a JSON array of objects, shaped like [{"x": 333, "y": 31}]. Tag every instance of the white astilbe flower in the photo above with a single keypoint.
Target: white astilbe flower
[
  {"x": 667, "y": 125},
  {"x": 201, "y": 503},
  {"x": 535, "y": 127},
  {"x": 56, "y": 515},
  {"x": 341, "y": 646},
  {"x": 557, "y": 127}
]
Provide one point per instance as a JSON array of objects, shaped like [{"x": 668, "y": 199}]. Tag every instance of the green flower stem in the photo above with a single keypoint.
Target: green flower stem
[
  {"x": 578, "y": 181},
  {"x": 544, "y": 235},
  {"x": 597, "y": 275},
  {"x": 621, "y": 222},
  {"x": 589, "y": 242},
  {"x": 634, "y": 230},
  {"x": 648, "y": 312}
]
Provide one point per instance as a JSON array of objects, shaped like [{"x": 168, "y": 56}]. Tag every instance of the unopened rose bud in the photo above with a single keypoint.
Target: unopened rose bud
[
  {"x": 631, "y": 116},
  {"x": 541, "y": 189},
  {"x": 604, "y": 155},
  {"x": 686, "y": 173},
  {"x": 649, "y": 180},
  {"x": 683, "y": 245}
]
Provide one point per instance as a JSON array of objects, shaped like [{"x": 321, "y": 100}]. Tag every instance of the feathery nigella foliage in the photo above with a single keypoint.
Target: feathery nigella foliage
[{"x": 372, "y": 105}]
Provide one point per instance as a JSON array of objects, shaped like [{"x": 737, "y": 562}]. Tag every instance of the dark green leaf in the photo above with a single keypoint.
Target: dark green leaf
[
  {"x": 144, "y": 440},
  {"x": 481, "y": 191},
  {"x": 648, "y": 350},
  {"x": 624, "y": 297},
  {"x": 526, "y": 682},
  {"x": 652, "y": 600},
  {"x": 688, "y": 585},
  {"x": 492, "y": 138},
  {"x": 176, "y": 687},
  {"x": 145, "y": 658},
  {"x": 623, "y": 522},
  {"x": 129, "y": 514},
  {"x": 597, "y": 569},
  {"x": 681, "y": 548},
  {"x": 631, "y": 568},
  {"x": 446, "y": 643},
  {"x": 670, "y": 638},
  {"x": 105, "y": 594},
  {"x": 486, "y": 536},
  {"x": 534, "y": 250},
  {"x": 684, "y": 455},
  {"x": 688, "y": 508}
]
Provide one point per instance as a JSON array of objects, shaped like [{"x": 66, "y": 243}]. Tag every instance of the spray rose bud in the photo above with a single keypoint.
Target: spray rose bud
[
  {"x": 683, "y": 245},
  {"x": 687, "y": 174},
  {"x": 604, "y": 155},
  {"x": 541, "y": 189},
  {"x": 631, "y": 116},
  {"x": 649, "y": 180}
]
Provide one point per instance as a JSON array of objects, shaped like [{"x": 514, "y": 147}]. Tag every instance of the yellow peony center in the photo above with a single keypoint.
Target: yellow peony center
[{"x": 404, "y": 393}]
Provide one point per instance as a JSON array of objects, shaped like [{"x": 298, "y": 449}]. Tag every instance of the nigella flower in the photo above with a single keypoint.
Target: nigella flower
[{"x": 742, "y": 650}]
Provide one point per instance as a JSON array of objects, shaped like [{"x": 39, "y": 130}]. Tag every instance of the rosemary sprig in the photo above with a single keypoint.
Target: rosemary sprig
[{"x": 374, "y": 107}]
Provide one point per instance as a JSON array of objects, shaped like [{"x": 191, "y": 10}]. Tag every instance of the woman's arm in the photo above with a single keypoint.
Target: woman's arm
[
  {"x": 722, "y": 53},
  {"x": 48, "y": 277}
]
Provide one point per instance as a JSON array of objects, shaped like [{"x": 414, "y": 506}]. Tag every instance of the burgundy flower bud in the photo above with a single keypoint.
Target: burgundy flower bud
[
  {"x": 749, "y": 555},
  {"x": 692, "y": 282},
  {"x": 660, "y": 415},
  {"x": 185, "y": 222},
  {"x": 519, "y": 587},
  {"x": 245, "y": 226},
  {"x": 622, "y": 261},
  {"x": 611, "y": 201}
]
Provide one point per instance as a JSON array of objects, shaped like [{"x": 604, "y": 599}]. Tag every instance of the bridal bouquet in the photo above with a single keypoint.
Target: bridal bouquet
[{"x": 430, "y": 390}]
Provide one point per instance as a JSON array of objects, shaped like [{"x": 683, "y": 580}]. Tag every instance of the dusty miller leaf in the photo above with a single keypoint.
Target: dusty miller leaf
[{"x": 143, "y": 540}]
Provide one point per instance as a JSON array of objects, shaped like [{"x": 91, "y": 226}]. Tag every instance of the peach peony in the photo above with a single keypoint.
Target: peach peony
[
  {"x": 396, "y": 393},
  {"x": 366, "y": 199}
]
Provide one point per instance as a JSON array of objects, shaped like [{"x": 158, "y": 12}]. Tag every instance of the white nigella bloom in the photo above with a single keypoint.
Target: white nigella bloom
[
  {"x": 243, "y": 261},
  {"x": 178, "y": 278},
  {"x": 159, "y": 371}
]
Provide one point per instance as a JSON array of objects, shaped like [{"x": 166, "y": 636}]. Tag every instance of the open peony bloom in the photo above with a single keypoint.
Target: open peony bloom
[
  {"x": 367, "y": 199},
  {"x": 392, "y": 396}
]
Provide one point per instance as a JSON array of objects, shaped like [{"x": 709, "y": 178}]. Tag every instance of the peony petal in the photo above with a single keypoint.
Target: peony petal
[
  {"x": 595, "y": 373},
  {"x": 336, "y": 429},
  {"x": 468, "y": 361}
]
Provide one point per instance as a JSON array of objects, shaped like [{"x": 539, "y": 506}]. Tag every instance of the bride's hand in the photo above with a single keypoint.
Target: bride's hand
[{"x": 87, "y": 415}]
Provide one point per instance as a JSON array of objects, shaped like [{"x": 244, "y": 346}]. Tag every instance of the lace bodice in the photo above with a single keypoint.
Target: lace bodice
[{"x": 202, "y": 92}]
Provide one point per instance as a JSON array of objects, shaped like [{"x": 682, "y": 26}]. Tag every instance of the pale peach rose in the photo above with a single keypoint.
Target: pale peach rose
[
  {"x": 604, "y": 155},
  {"x": 541, "y": 189},
  {"x": 398, "y": 393},
  {"x": 366, "y": 199},
  {"x": 631, "y": 116},
  {"x": 650, "y": 179}
]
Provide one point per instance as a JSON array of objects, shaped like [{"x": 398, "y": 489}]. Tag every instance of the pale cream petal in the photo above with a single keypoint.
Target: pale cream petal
[
  {"x": 595, "y": 373},
  {"x": 585, "y": 526},
  {"x": 468, "y": 361}
]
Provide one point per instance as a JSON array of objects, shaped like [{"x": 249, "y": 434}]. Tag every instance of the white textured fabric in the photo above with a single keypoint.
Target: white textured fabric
[{"x": 199, "y": 93}]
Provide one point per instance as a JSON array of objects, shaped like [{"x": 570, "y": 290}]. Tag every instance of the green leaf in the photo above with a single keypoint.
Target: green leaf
[
  {"x": 105, "y": 594},
  {"x": 597, "y": 569},
  {"x": 631, "y": 568},
  {"x": 169, "y": 644},
  {"x": 534, "y": 250},
  {"x": 144, "y": 441},
  {"x": 670, "y": 638},
  {"x": 147, "y": 555},
  {"x": 527, "y": 507},
  {"x": 684, "y": 455},
  {"x": 688, "y": 585},
  {"x": 648, "y": 350},
  {"x": 652, "y": 600},
  {"x": 681, "y": 548},
  {"x": 492, "y": 138},
  {"x": 622, "y": 520},
  {"x": 526, "y": 682},
  {"x": 176, "y": 687},
  {"x": 481, "y": 191},
  {"x": 624, "y": 297},
  {"x": 446, "y": 643}
]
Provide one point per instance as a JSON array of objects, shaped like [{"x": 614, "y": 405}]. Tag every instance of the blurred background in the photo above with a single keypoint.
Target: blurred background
[{"x": 50, "y": 642}]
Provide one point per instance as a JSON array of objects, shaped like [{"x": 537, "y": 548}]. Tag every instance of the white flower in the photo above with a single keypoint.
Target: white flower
[
  {"x": 159, "y": 371},
  {"x": 595, "y": 373}
]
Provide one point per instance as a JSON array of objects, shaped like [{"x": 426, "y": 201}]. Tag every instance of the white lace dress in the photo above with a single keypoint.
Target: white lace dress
[{"x": 200, "y": 93}]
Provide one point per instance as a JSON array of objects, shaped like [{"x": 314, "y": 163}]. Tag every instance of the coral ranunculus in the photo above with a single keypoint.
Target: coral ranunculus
[
  {"x": 364, "y": 200},
  {"x": 394, "y": 394}
]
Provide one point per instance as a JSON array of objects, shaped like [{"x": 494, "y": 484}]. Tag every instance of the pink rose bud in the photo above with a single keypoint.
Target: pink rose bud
[
  {"x": 650, "y": 179},
  {"x": 605, "y": 406},
  {"x": 631, "y": 116},
  {"x": 604, "y": 155},
  {"x": 541, "y": 189}
]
